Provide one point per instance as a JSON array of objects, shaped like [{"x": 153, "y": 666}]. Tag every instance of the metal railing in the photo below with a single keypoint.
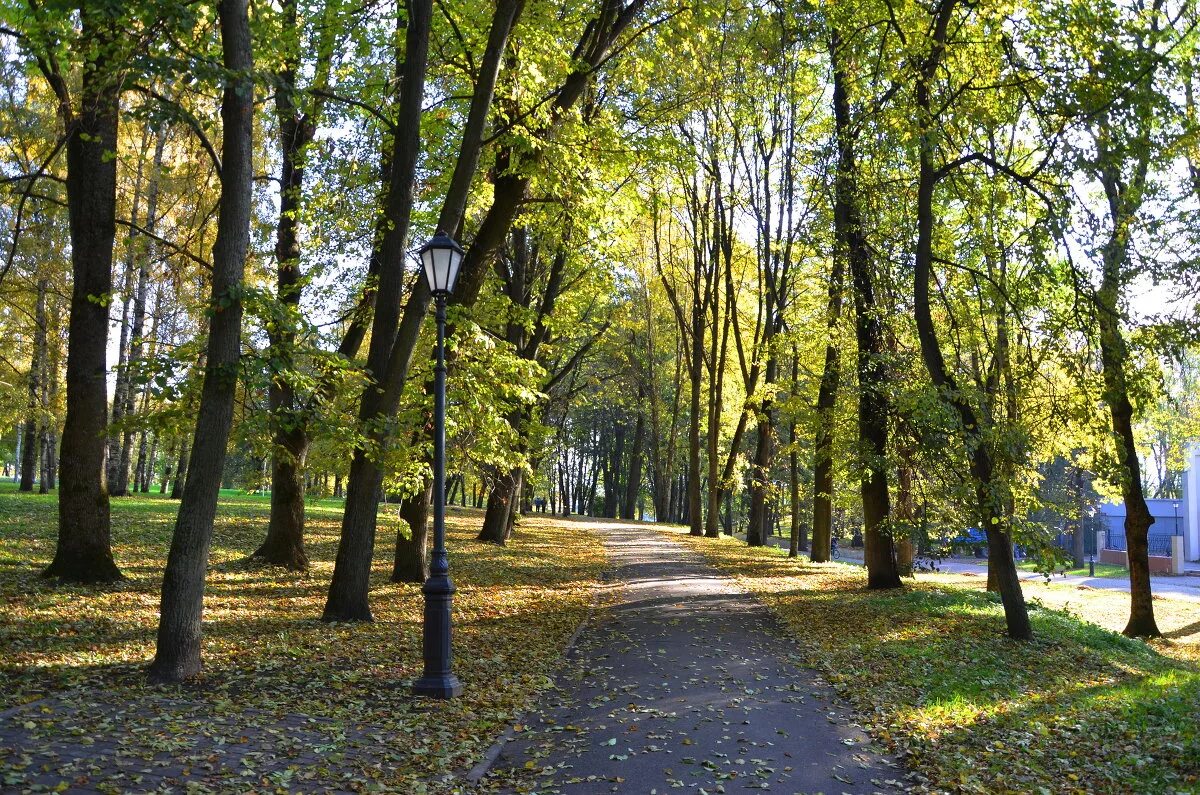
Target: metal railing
[{"x": 1159, "y": 545}]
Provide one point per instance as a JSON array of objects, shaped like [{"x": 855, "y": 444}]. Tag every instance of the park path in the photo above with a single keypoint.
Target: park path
[
  {"x": 1167, "y": 586},
  {"x": 685, "y": 682}
]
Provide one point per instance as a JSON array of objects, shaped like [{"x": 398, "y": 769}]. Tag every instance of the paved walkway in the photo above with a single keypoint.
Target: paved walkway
[
  {"x": 686, "y": 683},
  {"x": 1172, "y": 587}
]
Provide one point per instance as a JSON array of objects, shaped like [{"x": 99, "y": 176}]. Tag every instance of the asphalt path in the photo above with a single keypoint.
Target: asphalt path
[
  {"x": 1186, "y": 587},
  {"x": 684, "y": 682}
]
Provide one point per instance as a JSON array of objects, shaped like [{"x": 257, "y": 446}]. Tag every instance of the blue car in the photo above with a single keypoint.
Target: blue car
[{"x": 976, "y": 539}]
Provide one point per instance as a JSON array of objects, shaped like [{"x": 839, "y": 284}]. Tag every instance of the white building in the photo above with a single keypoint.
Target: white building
[{"x": 1190, "y": 505}]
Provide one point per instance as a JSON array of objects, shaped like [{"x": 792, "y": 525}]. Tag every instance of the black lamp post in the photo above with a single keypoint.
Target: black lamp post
[{"x": 440, "y": 258}]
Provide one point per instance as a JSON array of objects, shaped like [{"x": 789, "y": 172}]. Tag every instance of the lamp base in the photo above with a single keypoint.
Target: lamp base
[{"x": 446, "y": 686}]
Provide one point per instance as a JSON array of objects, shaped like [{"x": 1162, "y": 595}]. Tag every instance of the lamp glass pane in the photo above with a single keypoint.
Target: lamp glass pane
[
  {"x": 441, "y": 267},
  {"x": 427, "y": 266},
  {"x": 456, "y": 259}
]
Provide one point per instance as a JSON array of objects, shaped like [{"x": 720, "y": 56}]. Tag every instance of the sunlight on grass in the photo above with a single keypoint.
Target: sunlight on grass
[
  {"x": 267, "y": 655},
  {"x": 1079, "y": 709}
]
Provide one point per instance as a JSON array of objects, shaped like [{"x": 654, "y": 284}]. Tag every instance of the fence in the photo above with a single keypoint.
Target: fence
[{"x": 1160, "y": 545}]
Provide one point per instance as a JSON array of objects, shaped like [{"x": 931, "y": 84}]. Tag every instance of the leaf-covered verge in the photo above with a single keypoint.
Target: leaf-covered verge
[
  {"x": 1079, "y": 709},
  {"x": 285, "y": 702}
]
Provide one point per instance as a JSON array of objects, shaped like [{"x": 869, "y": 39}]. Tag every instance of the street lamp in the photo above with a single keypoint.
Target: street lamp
[
  {"x": 1175, "y": 508},
  {"x": 440, "y": 258}
]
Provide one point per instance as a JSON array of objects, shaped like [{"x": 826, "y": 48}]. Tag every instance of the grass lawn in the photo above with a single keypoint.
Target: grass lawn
[
  {"x": 1106, "y": 570},
  {"x": 1080, "y": 709},
  {"x": 273, "y": 673}
]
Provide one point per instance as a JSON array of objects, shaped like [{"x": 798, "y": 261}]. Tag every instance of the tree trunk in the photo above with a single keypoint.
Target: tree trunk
[
  {"x": 35, "y": 423},
  {"x": 1077, "y": 533},
  {"x": 151, "y": 465},
  {"x": 29, "y": 453},
  {"x": 181, "y": 470},
  {"x": 84, "y": 551},
  {"x": 141, "y": 466},
  {"x": 633, "y": 483},
  {"x": 177, "y": 656},
  {"x": 1138, "y": 519},
  {"x": 873, "y": 403},
  {"x": 500, "y": 504},
  {"x": 1000, "y": 554},
  {"x": 136, "y": 343},
  {"x": 116, "y": 487},
  {"x": 347, "y": 600},
  {"x": 760, "y": 479},
  {"x": 822, "y": 529},
  {"x": 411, "y": 561},
  {"x": 695, "y": 516},
  {"x": 284, "y": 544},
  {"x": 50, "y": 385}
]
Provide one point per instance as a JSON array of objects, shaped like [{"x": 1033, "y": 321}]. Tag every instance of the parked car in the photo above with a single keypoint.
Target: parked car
[
  {"x": 975, "y": 540},
  {"x": 972, "y": 539}
]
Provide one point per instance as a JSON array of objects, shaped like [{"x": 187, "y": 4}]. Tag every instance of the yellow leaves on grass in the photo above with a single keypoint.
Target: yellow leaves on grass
[
  {"x": 278, "y": 684},
  {"x": 931, "y": 674}
]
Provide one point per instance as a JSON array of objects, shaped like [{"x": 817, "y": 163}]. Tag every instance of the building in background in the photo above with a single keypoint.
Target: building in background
[{"x": 1175, "y": 517}]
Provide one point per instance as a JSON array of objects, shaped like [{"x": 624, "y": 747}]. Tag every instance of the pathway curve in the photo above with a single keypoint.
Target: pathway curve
[{"x": 687, "y": 683}]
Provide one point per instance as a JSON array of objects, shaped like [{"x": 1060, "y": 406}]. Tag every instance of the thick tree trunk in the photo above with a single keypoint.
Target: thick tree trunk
[
  {"x": 501, "y": 503},
  {"x": 411, "y": 561},
  {"x": 873, "y": 402},
  {"x": 177, "y": 655},
  {"x": 284, "y": 544},
  {"x": 347, "y": 600},
  {"x": 84, "y": 551}
]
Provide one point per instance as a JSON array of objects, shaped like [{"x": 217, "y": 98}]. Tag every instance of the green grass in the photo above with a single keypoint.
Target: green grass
[
  {"x": 1080, "y": 709},
  {"x": 81, "y": 652},
  {"x": 1105, "y": 570}
]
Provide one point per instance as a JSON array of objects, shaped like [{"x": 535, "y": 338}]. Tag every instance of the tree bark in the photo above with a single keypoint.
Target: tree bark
[
  {"x": 501, "y": 500},
  {"x": 633, "y": 482},
  {"x": 137, "y": 326},
  {"x": 1000, "y": 554},
  {"x": 347, "y": 600},
  {"x": 411, "y": 562},
  {"x": 117, "y": 488},
  {"x": 84, "y": 551},
  {"x": 181, "y": 470},
  {"x": 284, "y": 544},
  {"x": 1114, "y": 355},
  {"x": 177, "y": 656},
  {"x": 873, "y": 403},
  {"x": 822, "y": 529},
  {"x": 33, "y": 443}
]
